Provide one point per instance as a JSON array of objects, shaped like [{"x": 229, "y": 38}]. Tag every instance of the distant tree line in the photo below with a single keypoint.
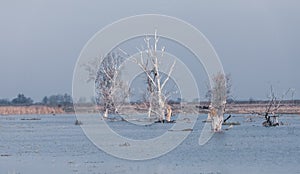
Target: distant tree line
[
  {"x": 57, "y": 100},
  {"x": 20, "y": 100},
  {"x": 53, "y": 100}
]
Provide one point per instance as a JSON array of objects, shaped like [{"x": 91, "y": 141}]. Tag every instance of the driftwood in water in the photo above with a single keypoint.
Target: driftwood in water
[
  {"x": 226, "y": 118},
  {"x": 77, "y": 122},
  {"x": 230, "y": 123},
  {"x": 165, "y": 121},
  {"x": 272, "y": 108},
  {"x": 187, "y": 129},
  {"x": 268, "y": 121},
  {"x": 30, "y": 119}
]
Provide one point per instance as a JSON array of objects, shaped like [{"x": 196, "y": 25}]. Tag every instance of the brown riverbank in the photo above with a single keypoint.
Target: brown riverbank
[
  {"x": 192, "y": 108},
  {"x": 244, "y": 108},
  {"x": 261, "y": 108},
  {"x": 134, "y": 109},
  {"x": 23, "y": 110}
]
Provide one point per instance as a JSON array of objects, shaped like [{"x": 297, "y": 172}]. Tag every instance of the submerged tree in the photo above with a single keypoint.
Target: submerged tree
[
  {"x": 219, "y": 94},
  {"x": 110, "y": 89},
  {"x": 273, "y": 106},
  {"x": 113, "y": 92},
  {"x": 218, "y": 101},
  {"x": 150, "y": 62}
]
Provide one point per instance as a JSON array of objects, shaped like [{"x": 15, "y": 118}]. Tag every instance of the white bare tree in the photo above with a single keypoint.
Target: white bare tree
[
  {"x": 110, "y": 89},
  {"x": 219, "y": 81},
  {"x": 149, "y": 62},
  {"x": 218, "y": 101},
  {"x": 229, "y": 95}
]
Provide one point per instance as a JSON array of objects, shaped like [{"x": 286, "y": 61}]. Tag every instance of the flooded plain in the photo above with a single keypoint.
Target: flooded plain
[{"x": 54, "y": 144}]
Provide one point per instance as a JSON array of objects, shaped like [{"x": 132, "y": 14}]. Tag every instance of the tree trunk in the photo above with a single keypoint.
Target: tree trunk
[
  {"x": 209, "y": 117},
  {"x": 217, "y": 123},
  {"x": 217, "y": 119},
  {"x": 169, "y": 114},
  {"x": 105, "y": 115}
]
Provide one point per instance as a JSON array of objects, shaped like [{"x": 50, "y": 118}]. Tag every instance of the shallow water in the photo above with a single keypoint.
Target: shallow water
[{"x": 54, "y": 144}]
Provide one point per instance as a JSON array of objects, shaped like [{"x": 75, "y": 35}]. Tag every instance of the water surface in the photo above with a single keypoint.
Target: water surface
[{"x": 54, "y": 144}]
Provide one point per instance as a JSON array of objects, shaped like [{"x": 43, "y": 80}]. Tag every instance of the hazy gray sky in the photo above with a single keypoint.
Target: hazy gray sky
[{"x": 257, "y": 41}]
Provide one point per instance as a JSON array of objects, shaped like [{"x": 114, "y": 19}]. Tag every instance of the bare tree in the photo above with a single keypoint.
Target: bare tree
[
  {"x": 218, "y": 101},
  {"x": 110, "y": 89},
  {"x": 223, "y": 83},
  {"x": 150, "y": 65},
  {"x": 229, "y": 95},
  {"x": 273, "y": 106}
]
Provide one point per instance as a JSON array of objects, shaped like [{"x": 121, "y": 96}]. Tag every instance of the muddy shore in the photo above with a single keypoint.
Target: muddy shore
[
  {"x": 26, "y": 110},
  {"x": 183, "y": 108}
]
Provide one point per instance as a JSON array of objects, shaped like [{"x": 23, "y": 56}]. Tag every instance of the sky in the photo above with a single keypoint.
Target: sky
[{"x": 257, "y": 41}]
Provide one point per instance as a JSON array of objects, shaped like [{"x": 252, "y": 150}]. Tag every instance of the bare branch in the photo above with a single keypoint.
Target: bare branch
[
  {"x": 124, "y": 52},
  {"x": 169, "y": 74},
  {"x": 145, "y": 70},
  {"x": 162, "y": 51},
  {"x": 156, "y": 39},
  {"x": 92, "y": 67}
]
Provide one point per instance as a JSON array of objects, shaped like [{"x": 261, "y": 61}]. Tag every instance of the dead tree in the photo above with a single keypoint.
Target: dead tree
[
  {"x": 272, "y": 108},
  {"x": 149, "y": 62},
  {"x": 218, "y": 101},
  {"x": 110, "y": 89},
  {"x": 222, "y": 87}
]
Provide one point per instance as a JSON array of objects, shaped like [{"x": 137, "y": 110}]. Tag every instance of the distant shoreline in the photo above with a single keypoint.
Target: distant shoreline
[
  {"x": 192, "y": 108},
  {"x": 27, "y": 110}
]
